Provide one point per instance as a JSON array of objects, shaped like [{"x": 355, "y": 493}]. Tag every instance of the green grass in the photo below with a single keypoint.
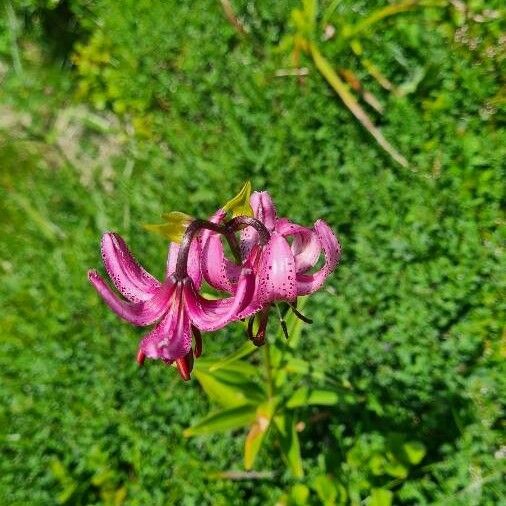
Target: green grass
[{"x": 412, "y": 319}]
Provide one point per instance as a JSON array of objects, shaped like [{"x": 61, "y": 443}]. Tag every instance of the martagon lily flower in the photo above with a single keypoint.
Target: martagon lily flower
[
  {"x": 174, "y": 304},
  {"x": 273, "y": 262},
  {"x": 282, "y": 269}
]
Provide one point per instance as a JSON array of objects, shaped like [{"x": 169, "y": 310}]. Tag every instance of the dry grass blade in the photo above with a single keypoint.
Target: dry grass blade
[
  {"x": 233, "y": 19},
  {"x": 292, "y": 72},
  {"x": 375, "y": 72},
  {"x": 353, "y": 80},
  {"x": 243, "y": 475},
  {"x": 349, "y": 100}
]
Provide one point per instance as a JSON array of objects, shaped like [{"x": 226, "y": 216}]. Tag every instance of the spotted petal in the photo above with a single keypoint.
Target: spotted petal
[
  {"x": 276, "y": 272},
  {"x": 309, "y": 283},
  {"x": 306, "y": 246},
  {"x": 128, "y": 276},
  {"x": 138, "y": 313},
  {"x": 218, "y": 270},
  {"x": 211, "y": 315},
  {"x": 171, "y": 339}
]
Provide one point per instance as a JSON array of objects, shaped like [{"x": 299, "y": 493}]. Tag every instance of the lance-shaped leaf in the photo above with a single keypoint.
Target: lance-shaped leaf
[
  {"x": 246, "y": 349},
  {"x": 240, "y": 204},
  {"x": 174, "y": 227},
  {"x": 222, "y": 421},
  {"x": 257, "y": 433},
  {"x": 289, "y": 442},
  {"x": 229, "y": 389},
  {"x": 311, "y": 397}
]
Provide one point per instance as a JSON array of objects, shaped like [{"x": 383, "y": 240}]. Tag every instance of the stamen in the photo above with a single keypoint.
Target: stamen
[
  {"x": 259, "y": 338},
  {"x": 140, "y": 358},
  {"x": 185, "y": 365},
  {"x": 197, "y": 351},
  {"x": 249, "y": 330},
  {"x": 299, "y": 315},
  {"x": 282, "y": 321}
]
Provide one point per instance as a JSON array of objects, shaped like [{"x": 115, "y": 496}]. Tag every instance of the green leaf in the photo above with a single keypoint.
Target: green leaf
[
  {"x": 240, "y": 204},
  {"x": 229, "y": 394},
  {"x": 257, "y": 434},
  {"x": 306, "y": 397},
  {"x": 415, "y": 451},
  {"x": 396, "y": 469},
  {"x": 174, "y": 227},
  {"x": 222, "y": 421},
  {"x": 299, "y": 494},
  {"x": 246, "y": 349},
  {"x": 326, "y": 489},
  {"x": 297, "y": 365},
  {"x": 380, "y": 497},
  {"x": 289, "y": 441}
]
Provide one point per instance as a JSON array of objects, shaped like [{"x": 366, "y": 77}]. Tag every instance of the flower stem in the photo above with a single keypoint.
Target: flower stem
[
  {"x": 240, "y": 222},
  {"x": 195, "y": 226},
  {"x": 268, "y": 370}
]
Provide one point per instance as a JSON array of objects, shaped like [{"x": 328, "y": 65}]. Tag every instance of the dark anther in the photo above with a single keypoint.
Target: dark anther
[
  {"x": 284, "y": 328},
  {"x": 185, "y": 365},
  {"x": 140, "y": 358},
  {"x": 299, "y": 315},
  {"x": 197, "y": 350}
]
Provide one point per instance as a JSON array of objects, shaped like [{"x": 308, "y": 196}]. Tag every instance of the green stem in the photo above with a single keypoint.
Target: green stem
[{"x": 268, "y": 370}]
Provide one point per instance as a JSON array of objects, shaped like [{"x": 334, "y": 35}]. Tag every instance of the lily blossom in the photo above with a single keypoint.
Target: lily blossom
[
  {"x": 282, "y": 269},
  {"x": 175, "y": 305}
]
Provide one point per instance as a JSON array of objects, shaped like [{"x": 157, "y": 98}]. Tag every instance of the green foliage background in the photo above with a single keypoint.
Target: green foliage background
[{"x": 114, "y": 112}]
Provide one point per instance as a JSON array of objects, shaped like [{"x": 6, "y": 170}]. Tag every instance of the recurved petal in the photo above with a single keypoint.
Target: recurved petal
[
  {"x": 194, "y": 260},
  {"x": 217, "y": 217},
  {"x": 309, "y": 283},
  {"x": 218, "y": 270},
  {"x": 276, "y": 273},
  {"x": 171, "y": 339},
  {"x": 127, "y": 275},
  {"x": 306, "y": 246},
  {"x": 263, "y": 208},
  {"x": 138, "y": 313},
  {"x": 211, "y": 315}
]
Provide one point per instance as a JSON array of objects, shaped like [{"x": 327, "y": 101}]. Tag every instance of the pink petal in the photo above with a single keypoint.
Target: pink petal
[
  {"x": 127, "y": 275},
  {"x": 306, "y": 246},
  {"x": 171, "y": 339},
  {"x": 217, "y": 217},
  {"x": 194, "y": 261},
  {"x": 248, "y": 239},
  {"x": 211, "y": 315},
  {"x": 263, "y": 208},
  {"x": 309, "y": 283},
  {"x": 218, "y": 271},
  {"x": 276, "y": 272},
  {"x": 138, "y": 313}
]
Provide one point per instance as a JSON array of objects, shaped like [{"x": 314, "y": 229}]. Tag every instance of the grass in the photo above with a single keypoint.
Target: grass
[{"x": 180, "y": 115}]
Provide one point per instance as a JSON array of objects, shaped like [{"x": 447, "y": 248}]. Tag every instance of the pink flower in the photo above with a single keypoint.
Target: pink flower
[
  {"x": 175, "y": 305},
  {"x": 283, "y": 270}
]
